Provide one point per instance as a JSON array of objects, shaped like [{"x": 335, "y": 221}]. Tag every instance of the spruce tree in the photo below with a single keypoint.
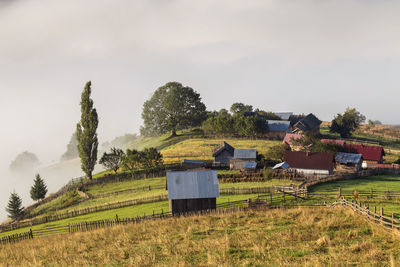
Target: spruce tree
[
  {"x": 14, "y": 207},
  {"x": 38, "y": 189},
  {"x": 86, "y": 132}
]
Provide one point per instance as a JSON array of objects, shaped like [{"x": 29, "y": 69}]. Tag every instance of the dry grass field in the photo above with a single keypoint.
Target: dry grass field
[{"x": 294, "y": 237}]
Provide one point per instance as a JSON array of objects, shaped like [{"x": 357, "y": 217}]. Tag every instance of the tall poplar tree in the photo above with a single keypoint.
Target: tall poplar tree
[{"x": 86, "y": 132}]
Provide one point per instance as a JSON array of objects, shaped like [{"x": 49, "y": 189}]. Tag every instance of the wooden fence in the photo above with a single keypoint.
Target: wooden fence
[
  {"x": 372, "y": 215},
  {"x": 16, "y": 238},
  {"x": 80, "y": 212}
]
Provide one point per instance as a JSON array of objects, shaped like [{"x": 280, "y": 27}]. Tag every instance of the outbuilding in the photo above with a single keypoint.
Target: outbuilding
[
  {"x": 192, "y": 190},
  {"x": 223, "y": 154},
  {"x": 242, "y": 156},
  {"x": 349, "y": 160}
]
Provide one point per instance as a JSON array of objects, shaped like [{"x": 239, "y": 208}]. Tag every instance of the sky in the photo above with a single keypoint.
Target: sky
[{"x": 277, "y": 55}]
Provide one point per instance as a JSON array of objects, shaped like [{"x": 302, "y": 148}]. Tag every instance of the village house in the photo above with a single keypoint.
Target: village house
[
  {"x": 278, "y": 129},
  {"x": 192, "y": 190},
  {"x": 242, "y": 156},
  {"x": 372, "y": 155},
  {"x": 309, "y": 124},
  {"x": 310, "y": 163},
  {"x": 223, "y": 154},
  {"x": 289, "y": 138},
  {"x": 348, "y": 161}
]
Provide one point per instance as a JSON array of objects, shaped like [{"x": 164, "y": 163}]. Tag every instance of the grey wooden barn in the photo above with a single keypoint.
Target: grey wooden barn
[
  {"x": 223, "y": 154},
  {"x": 192, "y": 190}
]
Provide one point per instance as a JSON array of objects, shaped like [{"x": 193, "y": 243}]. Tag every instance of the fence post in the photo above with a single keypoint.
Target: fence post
[
  {"x": 30, "y": 233},
  {"x": 382, "y": 216},
  {"x": 392, "y": 220},
  {"x": 116, "y": 218},
  {"x": 340, "y": 192}
]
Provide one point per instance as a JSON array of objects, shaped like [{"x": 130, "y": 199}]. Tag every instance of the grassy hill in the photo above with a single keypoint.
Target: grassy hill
[{"x": 293, "y": 237}]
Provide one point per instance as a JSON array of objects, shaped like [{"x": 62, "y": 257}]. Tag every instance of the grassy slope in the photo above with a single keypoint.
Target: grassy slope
[{"x": 295, "y": 237}]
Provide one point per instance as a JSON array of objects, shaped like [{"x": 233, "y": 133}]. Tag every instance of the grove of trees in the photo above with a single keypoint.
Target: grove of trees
[
  {"x": 345, "y": 124},
  {"x": 24, "y": 162},
  {"x": 147, "y": 159},
  {"x": 242, "y": 120}
]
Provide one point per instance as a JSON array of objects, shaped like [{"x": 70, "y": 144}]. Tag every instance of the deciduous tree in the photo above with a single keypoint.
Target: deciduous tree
[
  {"x": 112, "y": 160},
  {"x": 345, "y": 124},
  {"x": 172, "y": 107}
]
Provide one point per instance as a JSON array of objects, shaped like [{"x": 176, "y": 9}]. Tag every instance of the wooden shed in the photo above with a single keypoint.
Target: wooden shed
[
  {"x": 192, "y": 190},
  {"x": 242, "y": 156},
  {"x": 223, "y": 154}
]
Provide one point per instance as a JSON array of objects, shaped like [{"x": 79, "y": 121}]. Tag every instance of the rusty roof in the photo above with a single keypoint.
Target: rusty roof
[{"x": 309, "y": 160}]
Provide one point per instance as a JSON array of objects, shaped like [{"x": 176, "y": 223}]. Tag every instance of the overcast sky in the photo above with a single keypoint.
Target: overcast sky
[{"x": 302, "y": 56}]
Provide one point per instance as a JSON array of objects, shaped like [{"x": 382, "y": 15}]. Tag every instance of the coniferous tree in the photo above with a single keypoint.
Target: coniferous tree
[
  {"x": 86, "y": 132},
  {"x": 38, "y": 189},
  {"x": 14, "y": 207}
]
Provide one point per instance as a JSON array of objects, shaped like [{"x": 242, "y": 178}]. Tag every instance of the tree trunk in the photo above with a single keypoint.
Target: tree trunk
[
  {"x": 90, "y": 176},
  {"x": 173, "y": 133}
]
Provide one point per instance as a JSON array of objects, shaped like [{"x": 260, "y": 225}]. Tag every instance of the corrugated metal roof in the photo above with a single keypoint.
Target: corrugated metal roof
[
  {"x": 245, "y": 154},
  {"x": 345, "y": 158},
  {"x": 249, "y": 165},
  {"x": 192, "y": 184},
  {"x": 282, "y": 165},
  {"x": 278, "y": 126},
  {"x": 284, "y": 115}
]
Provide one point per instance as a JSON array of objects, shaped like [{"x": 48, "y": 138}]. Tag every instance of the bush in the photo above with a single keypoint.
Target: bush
[{"x": 267, "y": 174}]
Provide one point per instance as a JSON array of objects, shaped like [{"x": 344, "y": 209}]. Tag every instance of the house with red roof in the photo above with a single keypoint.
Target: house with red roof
[
  {"x": 314, "y": 163},
  {"x": 289, "y": 138},
  {"x": 371, "y": 154}
]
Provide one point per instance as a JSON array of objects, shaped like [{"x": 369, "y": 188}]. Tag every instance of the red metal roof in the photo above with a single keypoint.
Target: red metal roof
[
  {"x": 309, "y": 160},
  {"x": 289, "y": 137},
  {"x": 373, "y": 153},
  {"x": 333, "y": 141}
]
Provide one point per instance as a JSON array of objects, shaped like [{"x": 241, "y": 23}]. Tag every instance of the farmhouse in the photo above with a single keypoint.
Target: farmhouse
[
  {"x": 289, "y": 137},
  {"x": 223, "y": 154},
  {"x": 278, "y": 129},
  {"x": 349, "y": 160},
  {"x": 241, "y": 156},
  {"x": 372, "y": 154},
  {"x": 320, "y": 163},
  {"x": 192, "y": 190},
  {"x": 309, "y": 124}
]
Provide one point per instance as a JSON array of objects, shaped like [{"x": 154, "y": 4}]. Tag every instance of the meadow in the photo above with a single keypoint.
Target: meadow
[{"x": 282, "y": 237}]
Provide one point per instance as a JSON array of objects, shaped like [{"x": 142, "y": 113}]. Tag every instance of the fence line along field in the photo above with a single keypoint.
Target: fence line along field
[{"x": 296, "y": 237}]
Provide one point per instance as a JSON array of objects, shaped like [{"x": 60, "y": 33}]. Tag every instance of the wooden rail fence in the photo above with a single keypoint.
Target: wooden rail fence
[{"x": 374, "y": 216}]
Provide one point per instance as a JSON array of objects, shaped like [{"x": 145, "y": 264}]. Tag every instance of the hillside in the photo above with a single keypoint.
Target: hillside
[{"x": 293, "y": 237}]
